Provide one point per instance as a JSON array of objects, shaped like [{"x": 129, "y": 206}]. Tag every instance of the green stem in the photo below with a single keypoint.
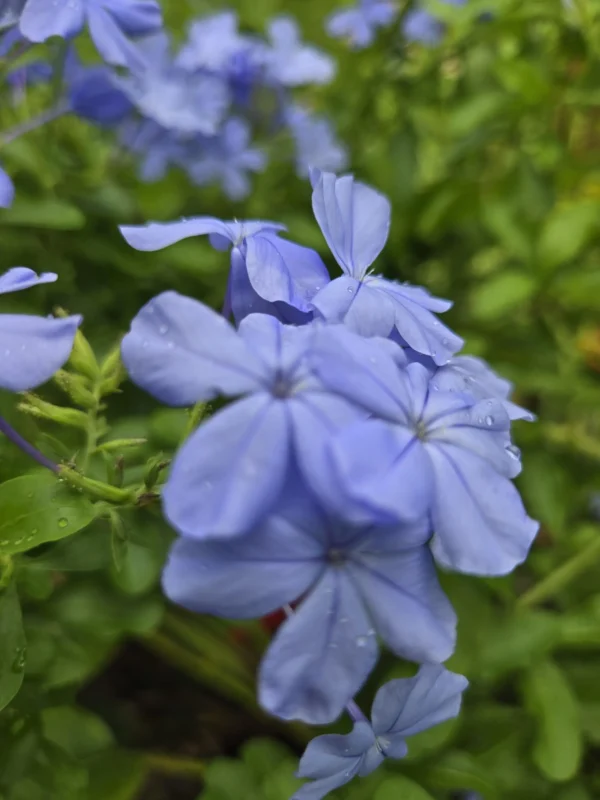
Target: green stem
[
  {"x": 92, "y": 432},
  {"x": 195, "y": 418},
  {"x": 174, "y": 765},
  {"x": 562, "y": 576},
  {"x": 102, "y": 491}
]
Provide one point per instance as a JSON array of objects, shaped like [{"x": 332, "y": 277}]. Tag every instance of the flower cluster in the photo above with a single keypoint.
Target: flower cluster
[
  {"x": 358, "y": 451},
  {"x": 200, "y": 108}
]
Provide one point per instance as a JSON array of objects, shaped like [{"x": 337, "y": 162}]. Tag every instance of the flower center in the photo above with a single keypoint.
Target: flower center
[{"x": 336, "y": 557}]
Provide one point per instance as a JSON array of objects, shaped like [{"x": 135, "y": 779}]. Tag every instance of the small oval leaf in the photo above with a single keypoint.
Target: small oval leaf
[{"x": 38, "y": 508}]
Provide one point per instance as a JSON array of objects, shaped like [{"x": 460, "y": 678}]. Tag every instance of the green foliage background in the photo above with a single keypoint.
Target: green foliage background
[{"x": 489, "y": 149}]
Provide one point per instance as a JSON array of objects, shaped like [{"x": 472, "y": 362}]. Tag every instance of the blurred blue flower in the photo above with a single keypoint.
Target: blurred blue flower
[
  {"x": 355, "y": 221},
  {"x": 359, "y": 23},
  {"x": 268, "y": 274},
  {"x": 32, "y": 348},
  {"x": 183, "y": 101},
  {"x": 231, "y": 471},
  {"x": 441, "y": 454},
  {"x": 289, "y": 62},
  {"x": 7, "y": 190},
  {"x": 93, "y": 95},
  {"x": 401, "y": 709},
  {"x": 356, "y": 583},
  {"x": 226, "y": 159},
  {"x": 214, "y": 43},
  {"x": 110, "y": 22},
  {"x": 419, "y": 25},
  {"x": 316, "y": 144}
]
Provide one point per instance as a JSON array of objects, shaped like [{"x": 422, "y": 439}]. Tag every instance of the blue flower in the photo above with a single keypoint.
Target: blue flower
[
  {"x": 109, "y": 22},
  {"x": 7, "y": 190},
  {"x": 179, "y": 100},
  {"x": 316, "y": 144},
  {"x": 431, "y": 452},
  {"x": 356, "y": 583},
  {"x": 227, "y": 158},
  {"x": 358, "y": 24},
  {"x": 401, "y": 709},
  {"x": 214, "y": 43},
  {"x": 355, "y": 221},
  {"x": 232, "y": 470},
  {"x": 268, "y": 274},
  {"x": 419, "y": 25},
  {"x": 288, "y": 62},
  {"x": 32, "y": 348}
]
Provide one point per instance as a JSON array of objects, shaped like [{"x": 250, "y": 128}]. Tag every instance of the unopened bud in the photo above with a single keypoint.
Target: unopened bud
[
  {"x": 82, "y": 357},
  {"x": 37, "y": 407},
  {"x": 153, "y": 469},
  {"x": 76, "y": 387}
]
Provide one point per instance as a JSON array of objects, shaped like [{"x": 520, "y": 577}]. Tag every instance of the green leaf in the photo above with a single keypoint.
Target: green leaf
[
  {"x": 458, "y": 770},
  {"x": 76, "y": 730},
  {"x": 566, "y": 232},
  {"x": 38, "y": 508},
  {"x": 501, "y": 295},
  {"x": 399, "y": 787},
  {"x": 43, "y": 214},
  {"x": 12, "y": 661},
  {"x": 558, "y": 748},
  {"x": 115, "y": 775}
]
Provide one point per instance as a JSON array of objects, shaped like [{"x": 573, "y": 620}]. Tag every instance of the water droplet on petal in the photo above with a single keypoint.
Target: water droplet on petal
[
  {"x": 489, "y": 421},
  {"x": 361, "y": 641},
  {"x": 163, "y": 329},
  {"x": 513, "y": 451},
  {"x": 63, "y": 522},
  {"x": 445, "y": 342},
  {"x": 350, "y": 290}
]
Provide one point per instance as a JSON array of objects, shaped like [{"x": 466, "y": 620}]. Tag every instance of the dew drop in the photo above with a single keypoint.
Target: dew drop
[
  {"x": 63, "y": 522},
  {"x": 433, "y": 353},
  {"x": 145, "y": 343},
  {"x": 34, "y": 532},
  {"x": 333, "y": 646},
  {"x": 19, "y": 541},
  {"x": 207, "y": 485},
  {"x": 350, "y": 290},
  {"x": 4, "y": 543},
  {"x": 170, "y": 345},
  {"x": 18, "y": 664},
  {"x": 361, "y": 641},
  {"x": 163, "y": 329},
  {"x": 445, "y": 342},
  {"x": 513, "y": 451},
  {"x": 489, "y": 421}
]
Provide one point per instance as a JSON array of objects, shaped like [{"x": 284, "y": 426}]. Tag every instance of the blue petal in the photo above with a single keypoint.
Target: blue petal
[
  {"x": 242, "y": 299},
  {"x": 229, "y": 473},
  {"x": 110, "y": 40},
  {"x": 408, "y": 706},
  {"x": 135, "y": 17},
  {"x": 19, "y": 278},
  {"x": 247, "y": 577},
  {"x": 321, "y": 656},
  {"x": 32, "y": 349},
  {"x": 182, "y": 352},
  {"x": 157, "y": 235},
  {"x": 282, "y": 270},
  {"x": 315, "y": 790},
  {"x": 481, "y": 527},
  {"x": 482, "y": 429},
  {"x": 473, "y": 375},
  {"x": 407, "y": 605},
  {"x": 415, "y": 323},
  {"x": 354, "y": 219},
  {"x": 383, "y": 472},
  {"x": 364, "y": 371},
  {"x": 291, "y": 63},
  {"x": 363, "y": 310},
  {"x": 94, "y": 96},
  {"x": 10, "y": 11},
  {"x": 7, "y": 190},
  {"x": 281, "y": 348},
  {"x": 40, "y": 19},
  {"x": 327, "y": 755},
  {"x": 351, "y": 24}
]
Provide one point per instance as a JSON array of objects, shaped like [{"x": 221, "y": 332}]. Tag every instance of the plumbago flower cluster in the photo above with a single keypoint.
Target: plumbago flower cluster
[
  {"x": 198, "y": 109},
  {"x": 358, "y": 451}
]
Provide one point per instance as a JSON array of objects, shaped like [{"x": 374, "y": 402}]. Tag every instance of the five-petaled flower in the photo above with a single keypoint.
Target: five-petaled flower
[{"x": 356, "y": 583}]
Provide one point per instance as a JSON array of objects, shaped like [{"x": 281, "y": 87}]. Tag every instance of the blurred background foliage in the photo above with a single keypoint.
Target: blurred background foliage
[{"x": 488, "y": 146}]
